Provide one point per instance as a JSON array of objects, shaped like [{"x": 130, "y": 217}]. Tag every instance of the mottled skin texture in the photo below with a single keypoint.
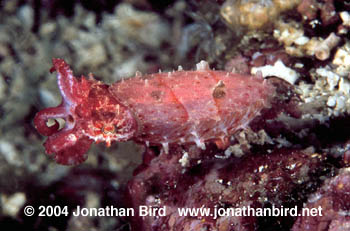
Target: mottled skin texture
[
  {"x": 90, "y": 113},
  {"x": 178, "y": 107}
]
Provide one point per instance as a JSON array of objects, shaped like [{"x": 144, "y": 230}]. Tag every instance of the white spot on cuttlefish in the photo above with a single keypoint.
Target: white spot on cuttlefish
[
  {"x": 138, "y": 74},
  {"x": 184, "y": 161},
  {"x": 202, "y": 66},
  {"x": 198, "y": 141},
  {"x": 118, "y": 109},
  {"x": 72, "y": 138},
  {"x": 165, "y": 147}
]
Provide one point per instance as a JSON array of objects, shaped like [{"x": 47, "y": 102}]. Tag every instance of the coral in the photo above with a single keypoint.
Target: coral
[
  {"x": 328, "y": 14},
  {"x": 297, "y": 44},
  {"x": 329, "y": 89},
  {"x": 310, "y": 8},
  {"x": 279, "y": 70},
  {"x": 325, "y": 47},
  {"x": 342, "y": 60},
  {"x": 345, "y": 17},
  {"x": 254, "y": 14},
  {"x": 12, "y": 204},
  {"x": 163, "y": 108},
  {"x": 281, "y": 178}
]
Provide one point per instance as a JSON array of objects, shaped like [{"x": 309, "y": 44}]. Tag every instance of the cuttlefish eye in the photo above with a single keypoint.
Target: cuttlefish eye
[{"x": 109, "y": 129}]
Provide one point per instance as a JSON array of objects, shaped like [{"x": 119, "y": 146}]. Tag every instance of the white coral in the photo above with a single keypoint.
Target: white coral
[{"x": 279, "y": 70}]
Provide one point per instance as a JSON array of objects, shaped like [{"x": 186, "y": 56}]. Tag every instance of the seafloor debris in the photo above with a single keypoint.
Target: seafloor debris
[
  {"x": 342, "y": 60},
  {"x": 254, "y": 14},
  {"x": 329, "y": 89},
  {"x": 334, "y": 200},
  {"x": 310, "y": 9},
  {"x": 297, "y": 44},
  {"x": 279, "y": 70},
  {"x": 280, "y": 178}
]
